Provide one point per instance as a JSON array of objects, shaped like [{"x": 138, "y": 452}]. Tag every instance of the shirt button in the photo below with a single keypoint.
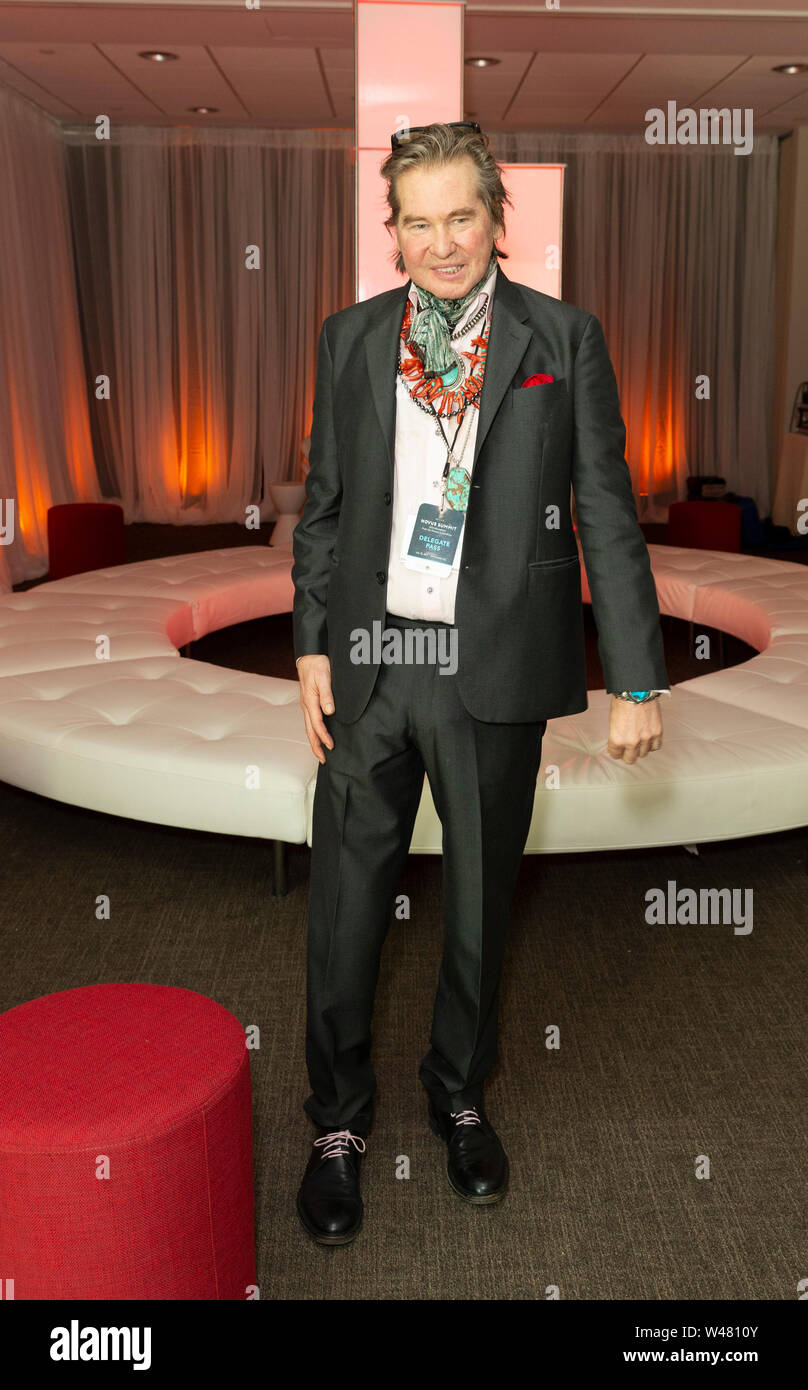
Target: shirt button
[
  {"x": 380, "y": 576},
  {"x": 429, "y": 590}
]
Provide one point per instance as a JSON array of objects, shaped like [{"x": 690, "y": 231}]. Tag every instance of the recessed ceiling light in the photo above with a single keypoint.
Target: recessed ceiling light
[
  {"x": 203, "y": 110},
  {"x": 481, "y": 62},
  {"x": 791, "y": 69},
  {"x": 155, "y": 56}
]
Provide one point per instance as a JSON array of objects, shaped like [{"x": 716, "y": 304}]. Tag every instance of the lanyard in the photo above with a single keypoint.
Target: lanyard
[{"x": 450, "y": 454}]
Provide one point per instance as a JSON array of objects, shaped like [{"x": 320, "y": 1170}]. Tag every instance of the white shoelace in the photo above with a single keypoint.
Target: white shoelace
[{"x": 335, "y": 1144}]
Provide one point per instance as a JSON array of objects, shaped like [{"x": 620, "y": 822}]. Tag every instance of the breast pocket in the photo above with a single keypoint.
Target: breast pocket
[
  {"x": 554, "y": 564},
  {"x": 555, "y": 584},
  {"x": 540, "y": 401}
]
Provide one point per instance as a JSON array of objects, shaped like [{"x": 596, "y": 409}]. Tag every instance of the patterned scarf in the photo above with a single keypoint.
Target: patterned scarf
[{"x": 433, "y": 323}]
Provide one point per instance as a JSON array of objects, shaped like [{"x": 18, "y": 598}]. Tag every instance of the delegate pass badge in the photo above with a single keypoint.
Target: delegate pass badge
[{"x": 434, "y": 540}]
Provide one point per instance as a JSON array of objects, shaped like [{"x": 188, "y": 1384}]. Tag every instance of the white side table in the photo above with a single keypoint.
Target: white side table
[{"x": 287, "y": 499}]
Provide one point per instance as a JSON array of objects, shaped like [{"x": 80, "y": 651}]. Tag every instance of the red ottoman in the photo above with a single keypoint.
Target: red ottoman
[
  {"x": 84, "y": 536},
  {"x": 125, "y": 1147},
  {"x": 707, "y": 525}
]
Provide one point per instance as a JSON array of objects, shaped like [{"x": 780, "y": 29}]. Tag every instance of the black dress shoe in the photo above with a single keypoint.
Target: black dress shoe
[
  {"x": 478, "y": 1165},
  {"x": 328, "y": 1202}
]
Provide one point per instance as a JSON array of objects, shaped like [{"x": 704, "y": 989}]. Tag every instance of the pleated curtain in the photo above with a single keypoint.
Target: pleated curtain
[
  {"x": 161, "y": 295},
  {"x": 673, "y": 247}
]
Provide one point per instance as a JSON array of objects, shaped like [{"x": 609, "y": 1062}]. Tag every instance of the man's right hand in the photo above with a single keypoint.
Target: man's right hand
[{"x": 314, "y": 674}]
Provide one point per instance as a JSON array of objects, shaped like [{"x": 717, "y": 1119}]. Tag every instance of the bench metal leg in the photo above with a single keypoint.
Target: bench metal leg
[{"x": 280, "y": 886}]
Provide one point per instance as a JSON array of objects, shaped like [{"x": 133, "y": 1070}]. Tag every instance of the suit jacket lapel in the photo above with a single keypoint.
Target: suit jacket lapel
[{"x": 507, "y": 344}]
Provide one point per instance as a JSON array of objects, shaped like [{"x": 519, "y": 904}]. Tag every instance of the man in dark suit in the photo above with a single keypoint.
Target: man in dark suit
[{"x": 438, "y": 626}]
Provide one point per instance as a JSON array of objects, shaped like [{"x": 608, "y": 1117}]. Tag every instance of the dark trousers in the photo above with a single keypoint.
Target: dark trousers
[{"x": 483, "y": 780}]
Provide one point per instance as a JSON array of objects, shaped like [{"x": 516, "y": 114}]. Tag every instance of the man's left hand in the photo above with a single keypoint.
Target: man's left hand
[{"x": 634, "y": 730}]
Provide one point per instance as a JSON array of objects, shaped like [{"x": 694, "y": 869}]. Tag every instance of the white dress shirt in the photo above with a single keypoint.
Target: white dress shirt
[{"x": 420, "y": 458}]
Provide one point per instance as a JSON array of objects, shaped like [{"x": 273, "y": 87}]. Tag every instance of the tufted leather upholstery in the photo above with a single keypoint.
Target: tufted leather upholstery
[{"x": 150, "y": 735}]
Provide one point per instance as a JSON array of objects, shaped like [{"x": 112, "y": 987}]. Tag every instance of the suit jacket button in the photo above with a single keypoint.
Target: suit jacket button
[
  {"x": 380, "y": 576},
  {"x": 388, "y": 499},
  {"x": 467, "y": 567}
]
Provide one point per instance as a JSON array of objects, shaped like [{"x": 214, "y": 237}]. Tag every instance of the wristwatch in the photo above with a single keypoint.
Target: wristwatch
[{"x": 638, "y": 697}]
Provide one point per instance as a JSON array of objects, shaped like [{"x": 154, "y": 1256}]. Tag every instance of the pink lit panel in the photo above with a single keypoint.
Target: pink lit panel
[
  {"x": 533, "y": 227},
  {"x": 409, "y": 71}
]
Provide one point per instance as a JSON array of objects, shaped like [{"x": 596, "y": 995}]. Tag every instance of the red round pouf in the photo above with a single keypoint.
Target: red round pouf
[
  {"x": 85, "y": 536},
  {"x": 125, "y": 1147}
]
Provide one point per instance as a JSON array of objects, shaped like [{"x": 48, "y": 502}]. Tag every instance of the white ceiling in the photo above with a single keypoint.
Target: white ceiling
[{"x": 596, "y": 66}]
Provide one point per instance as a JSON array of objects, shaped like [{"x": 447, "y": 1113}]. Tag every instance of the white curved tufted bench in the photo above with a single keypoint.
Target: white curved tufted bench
[
  {"x": 734, "y": 759},
  {"x": 149, "y": 735}
]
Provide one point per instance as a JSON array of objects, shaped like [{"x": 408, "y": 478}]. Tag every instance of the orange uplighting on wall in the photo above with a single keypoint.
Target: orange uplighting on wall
[
  {"x": 29, "y": 451},
  {"x": 32, "y": 451},
  {"x": 200, "y": 462},
  {"x": 662, "y": 444}
]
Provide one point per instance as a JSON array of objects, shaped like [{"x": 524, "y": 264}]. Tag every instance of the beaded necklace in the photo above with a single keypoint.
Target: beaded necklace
[{"x": 454, "y": 391}]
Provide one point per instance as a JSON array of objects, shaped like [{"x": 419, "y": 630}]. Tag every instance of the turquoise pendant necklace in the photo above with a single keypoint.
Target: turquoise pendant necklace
[{"x": 455, "y": 485}]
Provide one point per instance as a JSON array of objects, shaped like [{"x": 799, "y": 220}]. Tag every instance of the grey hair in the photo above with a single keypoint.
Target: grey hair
[{"x": 434, "y": 147}]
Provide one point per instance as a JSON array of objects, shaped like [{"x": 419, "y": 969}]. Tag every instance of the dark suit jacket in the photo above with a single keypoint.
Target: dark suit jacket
[{"x": 518, "y": 604}]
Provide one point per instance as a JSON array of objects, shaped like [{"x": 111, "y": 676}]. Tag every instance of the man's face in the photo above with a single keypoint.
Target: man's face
[{"x": 443, "y": 224}]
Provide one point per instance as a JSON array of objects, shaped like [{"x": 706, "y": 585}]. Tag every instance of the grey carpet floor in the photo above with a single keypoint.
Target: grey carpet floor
[{"x": 675, "y": 1042}]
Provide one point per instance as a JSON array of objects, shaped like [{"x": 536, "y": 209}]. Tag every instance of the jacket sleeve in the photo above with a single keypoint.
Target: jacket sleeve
[
  {"x": 624, "y": 600},
  {"x": 315, "y": 534}
]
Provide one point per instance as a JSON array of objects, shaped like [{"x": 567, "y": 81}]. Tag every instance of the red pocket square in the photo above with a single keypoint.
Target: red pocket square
[{"x": 538, "y": 380}]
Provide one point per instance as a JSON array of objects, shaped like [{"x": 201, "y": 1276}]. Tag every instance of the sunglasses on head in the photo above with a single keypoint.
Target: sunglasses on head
[{"x": 402, "y": 136}]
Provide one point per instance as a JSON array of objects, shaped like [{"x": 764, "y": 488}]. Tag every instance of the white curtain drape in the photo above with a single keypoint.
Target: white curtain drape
[
  {"x": 674, "y": 249},
  {"x": 46, "y": 454},
  {"x": 144, "y": 359},
  {"x": 207, "y": 261}
]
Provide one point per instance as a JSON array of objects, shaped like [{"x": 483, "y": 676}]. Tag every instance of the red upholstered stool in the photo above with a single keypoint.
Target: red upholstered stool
[
  {"x": 705, "y": 525},
  {"x": 125, "y": 1147},
  {"x": 84, "y": 536}
]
